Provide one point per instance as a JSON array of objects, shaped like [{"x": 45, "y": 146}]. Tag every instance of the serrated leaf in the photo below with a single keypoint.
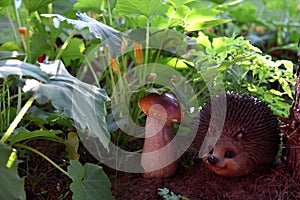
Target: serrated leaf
[
  {"x": 89, "y": 181},
  {"x": 83, "y": 103},
  {"x": 139, "y": 7},
  {"x": 16, "y": 67},
  {"x": 25, "y": 135},
  {"x": 12, "y": 186}
]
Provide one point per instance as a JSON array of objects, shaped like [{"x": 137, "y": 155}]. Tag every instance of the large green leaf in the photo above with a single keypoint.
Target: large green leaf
[
  {"x": 16, "y": 67},
  {"x": 89, "y": 182},
  {"x": 83, "y": 103},
  {"x": 12, "y": 186},
  {"x": 139, "y": 7}
]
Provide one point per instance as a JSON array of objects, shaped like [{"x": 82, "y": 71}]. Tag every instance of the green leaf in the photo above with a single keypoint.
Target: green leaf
[
  {"x": 89, "y": 181},
  {"x": 12, "y": 186},
  {"x": 202, "y": 18},
  {"x": 10, "y": 46},
  {"x": 88, "y": 5},
  {"x": 178, "y": 3},
  {"x": 5, "y": 3},
  {"x": 16, "y": 67},
  {"x": 83, "y": 103},
  {"x": 139, "y": 7},
  {"x": 25, "y": 135},
  {"x": 206, "y": 24},
  {"x": 34, "y": 5},
  {"x": 73, "y": 51},
  {"x": 39, "y": 45}
]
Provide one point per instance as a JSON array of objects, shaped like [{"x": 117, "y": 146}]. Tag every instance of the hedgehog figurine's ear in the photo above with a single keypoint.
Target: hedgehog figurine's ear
[{"x": 240, "y": 135}]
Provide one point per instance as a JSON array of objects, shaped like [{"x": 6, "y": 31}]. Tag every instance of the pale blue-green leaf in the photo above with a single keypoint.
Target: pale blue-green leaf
[
  {"x": 110, "y": 37},
  {"x": 16, "y": 67},
  {"x": 10, "y": 54},
  {"x": 83, "y": 103}
]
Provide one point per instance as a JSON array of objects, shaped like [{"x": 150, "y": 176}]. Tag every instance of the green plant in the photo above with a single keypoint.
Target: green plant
[{"x": 169, "y": 195}]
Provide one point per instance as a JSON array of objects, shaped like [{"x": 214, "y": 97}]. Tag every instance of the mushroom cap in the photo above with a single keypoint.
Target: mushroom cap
[{"x": 163, "y": 106}]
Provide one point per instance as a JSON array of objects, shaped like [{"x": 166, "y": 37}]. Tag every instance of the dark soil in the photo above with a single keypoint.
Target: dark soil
[{"x": 43, "y": 181}]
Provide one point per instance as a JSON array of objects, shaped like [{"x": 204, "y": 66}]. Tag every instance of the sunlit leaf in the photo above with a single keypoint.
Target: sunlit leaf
[
  {"x": 89, "y": 181},
  {"x": 178, "y": 3}
]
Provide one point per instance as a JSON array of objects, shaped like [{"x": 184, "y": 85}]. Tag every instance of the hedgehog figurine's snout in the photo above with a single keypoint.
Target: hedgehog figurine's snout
[{"x": 212, "y": 159}]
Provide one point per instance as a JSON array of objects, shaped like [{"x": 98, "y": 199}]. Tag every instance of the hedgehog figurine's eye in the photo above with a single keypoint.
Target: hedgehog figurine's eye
[{"x": 229, "y": 154}]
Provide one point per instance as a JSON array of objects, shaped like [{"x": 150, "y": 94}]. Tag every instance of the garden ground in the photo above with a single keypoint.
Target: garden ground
[{"x": 193, "y": 182}]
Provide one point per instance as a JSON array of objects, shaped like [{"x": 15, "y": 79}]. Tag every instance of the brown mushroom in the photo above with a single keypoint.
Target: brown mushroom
[{"x": 161, "y": 111}]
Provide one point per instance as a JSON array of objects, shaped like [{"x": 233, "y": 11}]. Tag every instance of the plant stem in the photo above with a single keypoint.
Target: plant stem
[
  {"x": 109, "y": 13},
  {"x": 16, "y": 121},
  {"x": 64, "y": 46},
  {"x": 147, "y": 40},
  {"x": 52, "y": 39},
  {"x": 27, "y": 36},
  {"x": 12, "y": 25},
  {"x": 18, "y": 21},
  {"x": 42, "y": 155}
]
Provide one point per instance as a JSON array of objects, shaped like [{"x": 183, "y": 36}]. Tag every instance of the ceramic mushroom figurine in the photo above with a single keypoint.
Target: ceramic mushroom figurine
[{"x": 162, "y": 111}]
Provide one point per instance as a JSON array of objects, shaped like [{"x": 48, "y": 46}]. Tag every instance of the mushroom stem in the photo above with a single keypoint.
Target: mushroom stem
[{"x": 159, "y": 133}]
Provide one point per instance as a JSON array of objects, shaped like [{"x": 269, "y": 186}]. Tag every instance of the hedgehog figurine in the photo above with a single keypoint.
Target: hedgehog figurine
[{"x": 249, "y": 139}]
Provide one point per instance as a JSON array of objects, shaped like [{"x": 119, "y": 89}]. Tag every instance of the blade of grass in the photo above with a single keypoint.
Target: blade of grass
[{"x": 16, "y": 121}]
